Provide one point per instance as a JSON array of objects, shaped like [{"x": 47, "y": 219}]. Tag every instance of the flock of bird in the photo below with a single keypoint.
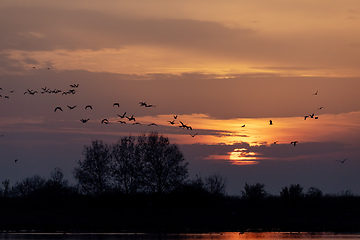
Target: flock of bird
[{"x": 124, "y": 118}]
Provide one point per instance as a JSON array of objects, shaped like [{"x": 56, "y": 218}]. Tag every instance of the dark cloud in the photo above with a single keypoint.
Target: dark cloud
[
  {"x": 46, "y": 29},
  {"x": 49, "y": 29}
]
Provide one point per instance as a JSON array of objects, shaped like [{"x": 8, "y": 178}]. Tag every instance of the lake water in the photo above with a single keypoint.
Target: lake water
[{"x": 207, "y": 236}]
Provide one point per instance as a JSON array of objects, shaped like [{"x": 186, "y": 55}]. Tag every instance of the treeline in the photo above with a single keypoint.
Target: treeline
[{"x": 142, "y": 185}]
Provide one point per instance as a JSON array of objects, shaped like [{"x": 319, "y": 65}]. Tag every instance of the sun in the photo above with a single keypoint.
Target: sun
[{"x": 240, "y": 156}]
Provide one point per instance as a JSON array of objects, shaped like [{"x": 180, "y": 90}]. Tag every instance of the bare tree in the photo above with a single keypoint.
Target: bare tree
[
  {"x": 6, "y": 191},
  {"x": 94, "y": 172},
  {"x": 164, "y": 165},
  {"x": 126, "y": 166},
  {"x": 215, "y": 184}
]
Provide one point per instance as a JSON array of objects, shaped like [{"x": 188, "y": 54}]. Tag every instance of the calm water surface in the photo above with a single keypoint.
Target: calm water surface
[{"x": 207, "y": 236}]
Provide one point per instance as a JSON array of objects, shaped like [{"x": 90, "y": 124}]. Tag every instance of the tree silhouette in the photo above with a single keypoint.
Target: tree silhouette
[
  {"x": 314, "y": 192},
  {"x": 293, "y": 192},
  {"x": 254, "y": 192},
  {"x": 6, "y": 192},
  {"x": 164, "y": 165},
  {"x": 126, "y": 166},
  {"x": 94, "y": 172},
  {"x": 215, "y": 184},
  {"x": 29, "y": 186}
]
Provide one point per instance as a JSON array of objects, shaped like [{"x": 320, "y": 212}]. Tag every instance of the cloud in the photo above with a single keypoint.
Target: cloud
[
  {"x": 49, "y": 29},
  {"x": 208, "y": 41}
]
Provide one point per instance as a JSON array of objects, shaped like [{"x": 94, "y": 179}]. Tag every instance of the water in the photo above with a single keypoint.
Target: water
[{"x": 204, "y": 236}]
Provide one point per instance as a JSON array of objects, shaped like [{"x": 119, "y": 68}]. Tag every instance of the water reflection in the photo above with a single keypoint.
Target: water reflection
[{"x": 203, "y": 236}]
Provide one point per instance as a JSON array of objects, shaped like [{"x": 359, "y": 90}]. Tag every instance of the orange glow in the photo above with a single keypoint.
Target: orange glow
[
  {"x": 241, "y": 157},
  {"x": 257, "y": 131}
]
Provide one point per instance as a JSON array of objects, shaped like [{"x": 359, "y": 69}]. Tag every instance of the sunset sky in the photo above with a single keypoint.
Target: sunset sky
[{"x": 225, "y": 68}]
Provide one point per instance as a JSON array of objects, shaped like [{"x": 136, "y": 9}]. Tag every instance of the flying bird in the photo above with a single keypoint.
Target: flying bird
[
  {"x": 175, "y": 116},
  {"x": 71, "y": 107},
  {"x": 122, "y": 122},
  {"x": 152, "y": 124},
  {"x": 185, "y": 126},
  {"x": 243, "y": 125},
  {"x": 105, "y": 121},
  {"x": 193, "y": 135},
  {"x": 306, "y": 117},
  {"x": 270, "y": 122},
  {"x": 15, "y": 160},
  {"x": 74, "y": 85},
  {"x": 136, "y": 123},
  {"x": 84, "y": 120},
  {"x": 144, "y": 104},
  {"x": 58, "y": 108},
  {"x": 122, "y": 116},
  {"x": 295, "y": 142},
  {"x": 88, "y": 106},
  {"x": 320, "y": 108},
  {"x": 131, "y": 118},
  {"x": 116, "y": 104},
  {"x": 172, "y": 122},
  {"x": 275, "y": 142},
  {"x": 316, "y": 93},
  {"x": 342, "y": 161}
]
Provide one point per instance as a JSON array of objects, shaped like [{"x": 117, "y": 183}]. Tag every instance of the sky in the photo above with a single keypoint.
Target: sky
[{"x": 225, "y": 68}]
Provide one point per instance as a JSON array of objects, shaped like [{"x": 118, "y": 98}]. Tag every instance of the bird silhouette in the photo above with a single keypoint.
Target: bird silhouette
[
  {"x": 320, "y": 108},
  {"x": 131, "y": 118},
  {"x": 136, "y": 123},
  {"x": 84, "y": 120},
  {"x": 270, "y": 122},
  {"x": 116, "y": 104},
  {"x": 306, "y": 117},
  {"x": 105, "y": 121},
  {"x": 193, "y": 135},
  {"x": 122, "y": 122},
  {"x": 71, "y": 107},
  {"x": 152, "y": 124},
  {"x": 58, "y": 108},
  {"x": 74, "y": 85},
  {"x": 342, "y": 161},
  {"x": 144, "y": 104},
  {"x": 175, "y": 116},
  {"x": 172, "y": 122},
  {"x": 122, "y": 116},
  {"x": 185, "y": 126},
  {"x": 15, "y": 160},
  {"x": 294, "y": 143},
  {"x": 243, "y": 125},
  {"x": 275, "y": 142},
  {"x": 88, "y": 106},
  {"x": 316, "y": 93}
]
